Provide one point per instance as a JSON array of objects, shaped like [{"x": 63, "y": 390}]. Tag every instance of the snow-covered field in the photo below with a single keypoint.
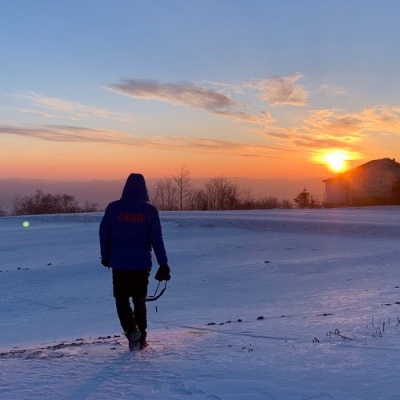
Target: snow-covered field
[{"x": 281, "y": 304}]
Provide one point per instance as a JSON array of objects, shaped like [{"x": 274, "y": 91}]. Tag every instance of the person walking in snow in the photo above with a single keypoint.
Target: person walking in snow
[{"x": 129, "y": 231}]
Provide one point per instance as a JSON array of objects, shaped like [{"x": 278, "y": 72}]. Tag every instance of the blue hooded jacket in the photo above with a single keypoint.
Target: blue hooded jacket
[{"x": 131, "y": 228}]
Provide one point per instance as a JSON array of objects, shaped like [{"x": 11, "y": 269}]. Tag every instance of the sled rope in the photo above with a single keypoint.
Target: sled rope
[{"x": 155, "y": 295}]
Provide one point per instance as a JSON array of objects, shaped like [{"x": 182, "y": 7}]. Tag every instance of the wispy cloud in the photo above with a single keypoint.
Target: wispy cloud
[
  {"x": 41, "y": 114},
  {"x": 64, "y": 133},
  {"x": 332, "y": 90},
  {"x": 327, "y": 128},
  {"x": 61, "y": 133},
  {"x": 352, "y": 127},
  {"x": 191, "y": 95},
  {"x": 63, "y": 108},
  {"x": 228, "y": 87},
  {"x": 335, "y": 125},
  {"x": 281, "y": 90},
  {"x": 184, "y": 94},
  {"x": 384, "y": 118},
  {"x": 264, "y": 118}
]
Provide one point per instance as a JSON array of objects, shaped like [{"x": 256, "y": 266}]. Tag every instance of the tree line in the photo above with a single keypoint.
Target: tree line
[
  {"x": 46, "y": 203},
  {"x": 174, "y": 193},
  {"x": 177, "y": 193}
]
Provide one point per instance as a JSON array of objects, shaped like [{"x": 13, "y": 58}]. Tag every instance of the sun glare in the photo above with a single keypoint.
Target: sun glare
[{"x": 336, "y": 160}]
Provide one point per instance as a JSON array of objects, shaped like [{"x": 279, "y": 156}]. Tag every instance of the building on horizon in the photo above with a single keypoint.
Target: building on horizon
[{"x": 374, "y": 183}]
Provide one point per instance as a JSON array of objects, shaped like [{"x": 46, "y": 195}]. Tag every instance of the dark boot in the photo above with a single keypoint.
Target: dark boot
[
  {"x": 128, "y": 323},
  {"x": 134, "y": 339}
]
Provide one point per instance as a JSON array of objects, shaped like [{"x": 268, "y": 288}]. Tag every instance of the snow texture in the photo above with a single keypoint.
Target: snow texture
[{"x": 280, "y": 304}]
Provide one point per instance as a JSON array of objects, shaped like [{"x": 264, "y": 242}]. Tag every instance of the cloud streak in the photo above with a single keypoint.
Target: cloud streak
[
  {"x": 61, "y": 133},
  {"x": 64, "y": 133},
  {"x": 192, "y": 96},
  {"x": 184, "y": 94},
  {"x": 264, "y": 118},
  {"x": 332, "y": 90},
  {"x": 73, "y": 110},
  {"x": 226, "y": 148},
  {"x": 327, "y": 128},
  {"x": 220, "y": 103}
]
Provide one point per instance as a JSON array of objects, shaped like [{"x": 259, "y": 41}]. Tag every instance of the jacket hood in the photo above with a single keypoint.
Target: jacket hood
[{"x": 135, "y": 188}]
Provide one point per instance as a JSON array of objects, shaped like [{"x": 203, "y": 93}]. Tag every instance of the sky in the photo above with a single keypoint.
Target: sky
[{"x": 261, "y": 89}]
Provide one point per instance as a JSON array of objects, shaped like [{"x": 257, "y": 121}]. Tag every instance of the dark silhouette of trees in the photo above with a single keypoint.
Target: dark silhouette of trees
[
  {"x": 268, "y": 203},
  {"x": 220, "y": 193},
  {"x": 169, "y": 194},
  {"x": 303, "y": 200},
  {"x": 165, "y": 196},
  {"x": 42, "y": 203},
  {"x": 286, "y": 204},
  {"x": 173, "y": 193},
  {"x": 90, "y": 207},
  {"x": 183, "y": 184},
  {"x": 198, "y": 200},
  {"x": 247, "y": 199}
]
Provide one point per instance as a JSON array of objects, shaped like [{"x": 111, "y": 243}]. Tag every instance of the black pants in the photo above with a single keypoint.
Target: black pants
[{"x": 131, "y": 284}]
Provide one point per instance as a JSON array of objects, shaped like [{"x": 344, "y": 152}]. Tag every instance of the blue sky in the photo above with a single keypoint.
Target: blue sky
[{"x": 238, "y": 88}]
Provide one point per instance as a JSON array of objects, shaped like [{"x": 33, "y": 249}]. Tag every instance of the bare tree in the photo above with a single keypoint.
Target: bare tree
[
  {"x": 222, "y": 194},
  {"x": 269, "y": 202},
  {"x": 165, "y": 197},
  {"x": 2, "y": 212},
  {"x": 248, "y": 201},
  {"x": 199, "y": 200},
  {"x": 286, "y": 204},
  {"x": 90, "y": 207},
  {"x": 183, "y": 183}
]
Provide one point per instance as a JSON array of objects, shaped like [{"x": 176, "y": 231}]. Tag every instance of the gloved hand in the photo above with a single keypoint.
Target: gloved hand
[
  {"x": 105, "y": 263},
  {"x": 163, "y": 273}
]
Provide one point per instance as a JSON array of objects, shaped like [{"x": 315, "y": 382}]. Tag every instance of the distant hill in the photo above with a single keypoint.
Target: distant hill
[{"x": 102, "y": 192}]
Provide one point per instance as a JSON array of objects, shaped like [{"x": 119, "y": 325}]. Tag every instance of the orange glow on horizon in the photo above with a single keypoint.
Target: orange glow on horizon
[{"x": 88, "y": 161}]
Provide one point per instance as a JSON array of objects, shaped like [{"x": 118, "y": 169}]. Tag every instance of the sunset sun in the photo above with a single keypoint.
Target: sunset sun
[{"x": 335, "y": 160}]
